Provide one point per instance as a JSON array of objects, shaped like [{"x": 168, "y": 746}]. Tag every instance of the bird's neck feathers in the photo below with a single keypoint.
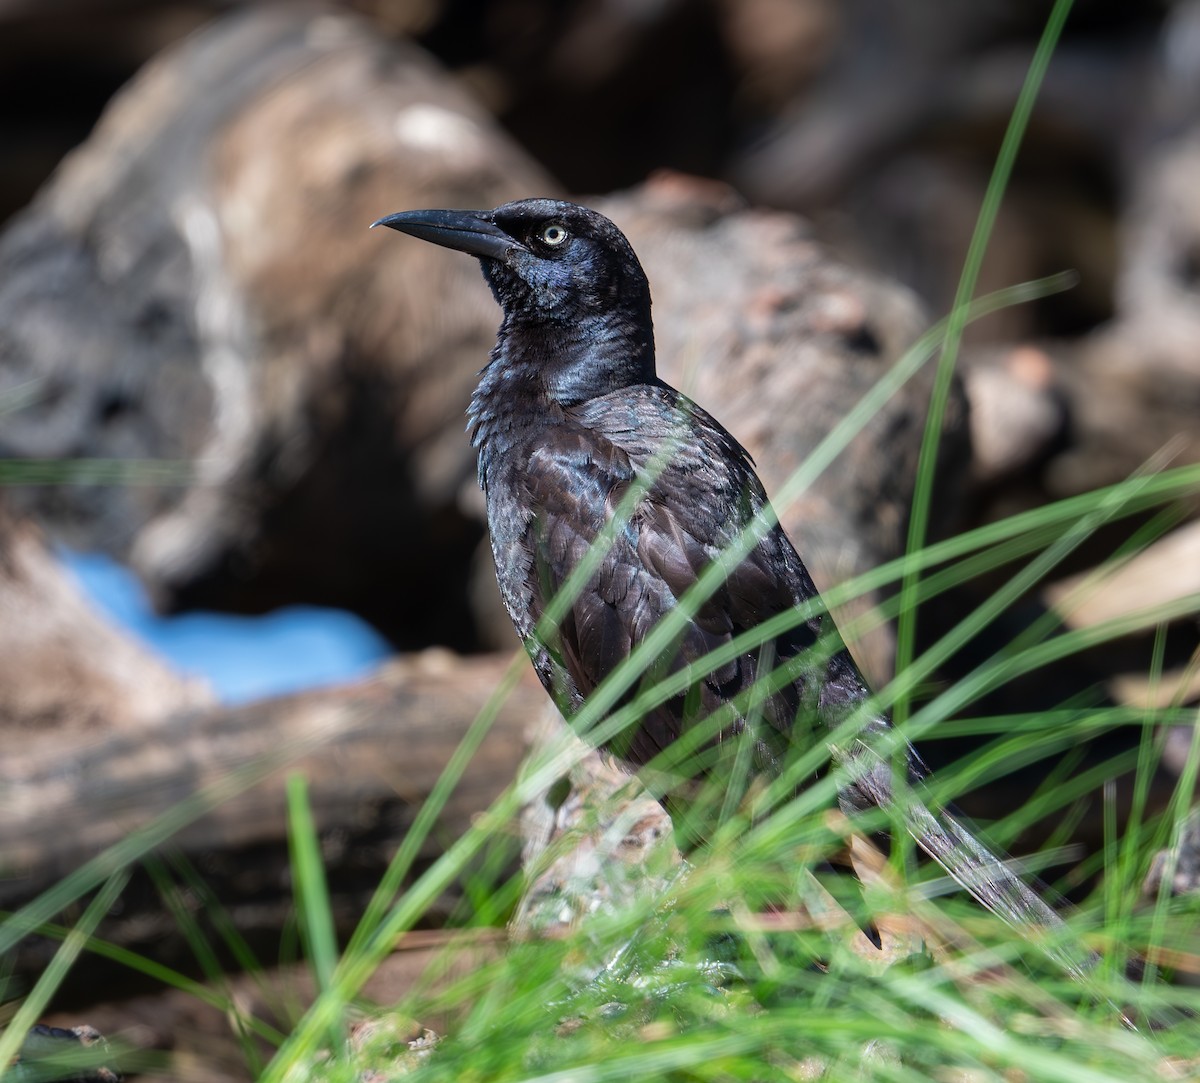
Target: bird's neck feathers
[
  {"x": 584, "y": 356},
  {"x": 536, "y": 372}
]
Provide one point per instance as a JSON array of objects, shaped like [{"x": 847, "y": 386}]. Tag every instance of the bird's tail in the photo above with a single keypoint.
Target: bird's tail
[
  {"x": 994, "y": 885},
  {"x": 986, "y": 876}
]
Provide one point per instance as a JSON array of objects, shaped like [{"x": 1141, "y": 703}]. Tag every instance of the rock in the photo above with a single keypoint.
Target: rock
[
  {"x": 43, "y": 1042},
  {"x": 1018, "y": 415},
  {"x": 1181, "y": 864}
]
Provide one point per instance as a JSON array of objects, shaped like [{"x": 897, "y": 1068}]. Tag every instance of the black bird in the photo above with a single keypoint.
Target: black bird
[{"x": 568, "y": 417}]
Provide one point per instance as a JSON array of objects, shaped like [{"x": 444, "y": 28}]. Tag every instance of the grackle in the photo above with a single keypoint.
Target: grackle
[{"x": 570, "y": 421}]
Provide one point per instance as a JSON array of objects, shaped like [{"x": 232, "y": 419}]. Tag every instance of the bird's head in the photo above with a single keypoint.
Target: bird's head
[{"x": 545, "y": 259}]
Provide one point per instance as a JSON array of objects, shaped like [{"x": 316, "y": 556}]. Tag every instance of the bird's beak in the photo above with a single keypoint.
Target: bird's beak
[{"x": 464, "y": 231}]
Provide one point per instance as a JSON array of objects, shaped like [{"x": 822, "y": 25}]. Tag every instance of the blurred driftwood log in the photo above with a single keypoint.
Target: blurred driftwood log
[
  {"x": 198, "y": 282},
  {"x": 371, "y": 753},
  {"x": 206, "y": 251},
  {"x": 99, "y": 739},
  {"x": 64, "y": 669}
]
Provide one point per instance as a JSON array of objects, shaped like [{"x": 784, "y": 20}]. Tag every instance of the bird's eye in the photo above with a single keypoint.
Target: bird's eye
[{"x": 554, "y": 234}]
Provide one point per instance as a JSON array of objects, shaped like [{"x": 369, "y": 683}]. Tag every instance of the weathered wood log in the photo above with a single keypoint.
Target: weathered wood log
[
  {"x": 206, "y": 252},
  {"x": 65, "y": 672},
  {"x": 370, "y": 751}
]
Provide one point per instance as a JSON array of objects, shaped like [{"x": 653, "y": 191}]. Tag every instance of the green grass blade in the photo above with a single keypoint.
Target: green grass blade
[
  {"x": 956, "y": 324},
  {"x": 39, "y": 996},
  {"x": 311, "y": 890}
]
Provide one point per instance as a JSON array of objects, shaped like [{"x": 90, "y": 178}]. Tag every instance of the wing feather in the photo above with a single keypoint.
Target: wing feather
[{"x": 576, "y": 480}]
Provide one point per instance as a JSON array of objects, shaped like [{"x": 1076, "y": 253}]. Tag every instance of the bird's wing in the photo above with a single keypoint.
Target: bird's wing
[{"x": 576, "y": 481}]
